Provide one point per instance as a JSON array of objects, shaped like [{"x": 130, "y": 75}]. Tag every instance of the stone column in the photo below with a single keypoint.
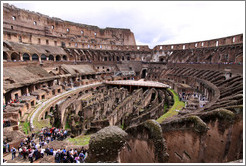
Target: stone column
[
  {"x": 21, "y": 57},
  {"x": 4, "y": 100},
  {"x": 39, "y": 57}
]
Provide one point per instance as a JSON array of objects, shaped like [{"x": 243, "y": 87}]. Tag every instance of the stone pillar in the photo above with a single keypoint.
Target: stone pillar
[
  {"x": 4, "y": 100},
  {"x": 8, "y": 56},
  {"x": 39, "y": 58},
  {"x": 21, "y": 57},
  {"x": 58, "y": 82}
]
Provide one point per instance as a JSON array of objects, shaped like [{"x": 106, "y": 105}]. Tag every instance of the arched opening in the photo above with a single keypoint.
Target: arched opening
[
  {"x": 51, "y": 109},
  {"x": 118, "y": 58},
  {"x": 43, "y": 57},
  {"x": 58, "y": 57},
  {"x": 51, "y": 58},
  {"x": 26, "y": 57},
  {"x": 123, "y": 58},
  {"x": 64, "y": 57},
  {"x": 15, "y": 56},
  {"x": 239, "y": 59},
  {"x": 35, "y": 57},
  {"x": 46, "y": 115},
  {"x": 144, "y": 72},
  {"x": 105, "y": 58},
  {"x": 128, "y": 58},
  {"x": 5, "y": 55}
]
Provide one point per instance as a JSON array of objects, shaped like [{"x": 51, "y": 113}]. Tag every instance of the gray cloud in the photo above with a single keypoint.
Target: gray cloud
[{"x": 153, "y": 23}]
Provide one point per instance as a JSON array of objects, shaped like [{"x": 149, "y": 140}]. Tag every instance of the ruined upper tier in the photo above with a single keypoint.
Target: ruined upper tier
[{"x": 39, "y": 28}]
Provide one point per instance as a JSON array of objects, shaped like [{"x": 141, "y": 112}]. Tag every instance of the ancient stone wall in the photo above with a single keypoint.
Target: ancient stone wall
[
  {"x": 228, "y": 53},
  {"x": 92, "y": 110},
  {"x": 235, "y": 39},
  {"x": 142, "y": 143},
  {"x": 30, "y": 27},
  {"x": 211, "y": 139}
]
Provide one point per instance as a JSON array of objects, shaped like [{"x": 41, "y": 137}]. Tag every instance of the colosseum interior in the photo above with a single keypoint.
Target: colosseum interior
[{"x": 180, "y": 103}]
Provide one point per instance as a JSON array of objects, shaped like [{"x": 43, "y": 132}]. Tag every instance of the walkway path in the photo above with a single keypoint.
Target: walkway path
[{"x": 49, "y": 101}]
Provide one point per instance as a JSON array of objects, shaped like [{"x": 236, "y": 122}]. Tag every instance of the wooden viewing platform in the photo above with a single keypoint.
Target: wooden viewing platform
[{"x": 140, "y": 83}]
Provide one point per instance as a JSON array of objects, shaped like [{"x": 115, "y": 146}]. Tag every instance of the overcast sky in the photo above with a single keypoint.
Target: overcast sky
[{"x": 153, "y": 23}]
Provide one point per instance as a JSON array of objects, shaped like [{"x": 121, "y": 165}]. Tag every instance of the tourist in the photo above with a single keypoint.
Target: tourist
[
  {"x": 47, "y": 151},
  {"x": 81, "y": 156},
  {"x": 24, "y": 152},
  {"x": 33, "y": 136},
  {"x": 76, "y": 159},
  {"x": 42, "y": 152},
  {"x": 7, "y": 147},
  {"x": 36, "y": 154},
  {"x": 13, "y": 151},
  {"x": 31, "y": 156},
  {"x": 20, "y": 152},
  {"x": 4, "y": 147},
  {"x": 65, "y": 134},
  {"x": 58, "y": 156},
  {"x": 51, "y": 151}
]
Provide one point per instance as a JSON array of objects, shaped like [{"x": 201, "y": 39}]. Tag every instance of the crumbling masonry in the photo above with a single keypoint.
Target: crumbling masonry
[{"x": 44, "y": 57}]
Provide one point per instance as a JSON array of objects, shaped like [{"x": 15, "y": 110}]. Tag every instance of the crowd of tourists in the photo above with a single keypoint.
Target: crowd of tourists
[
  {"x": 68, "y": 156},
  {"x": 10, "y": 102},
  {"x": 49, "y": 134},
  {"x": 28, "y": 149}
]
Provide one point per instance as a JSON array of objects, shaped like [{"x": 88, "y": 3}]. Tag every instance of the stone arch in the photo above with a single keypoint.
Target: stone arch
[
  {"x": 35, "y": 57},
  {"x": 5, "y": 55},
  {"x": 161, "y": 59},
  {"x": 58, "y": 57},
  {"x": 43, "y": 57},
  {"x": 51, "y": 57},
  {"x": 26, "y": 57},
  {"x": 144, "y": 73},
  {"x": 64, "y": 57},
  {"x": 118, "y": 58},
  {"x": 239, "y": 59},
  {"x": 15, "y": 56}
]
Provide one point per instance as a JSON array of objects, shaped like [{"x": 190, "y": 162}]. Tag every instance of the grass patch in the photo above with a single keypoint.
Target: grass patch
[
  {"x": 41, "y": 123},
  {"x": 81, "y": 140},
  {"x": 67, "y": 126},
  {"x": 178, "y": 105},
  {"x": 25, "y": 127}
]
